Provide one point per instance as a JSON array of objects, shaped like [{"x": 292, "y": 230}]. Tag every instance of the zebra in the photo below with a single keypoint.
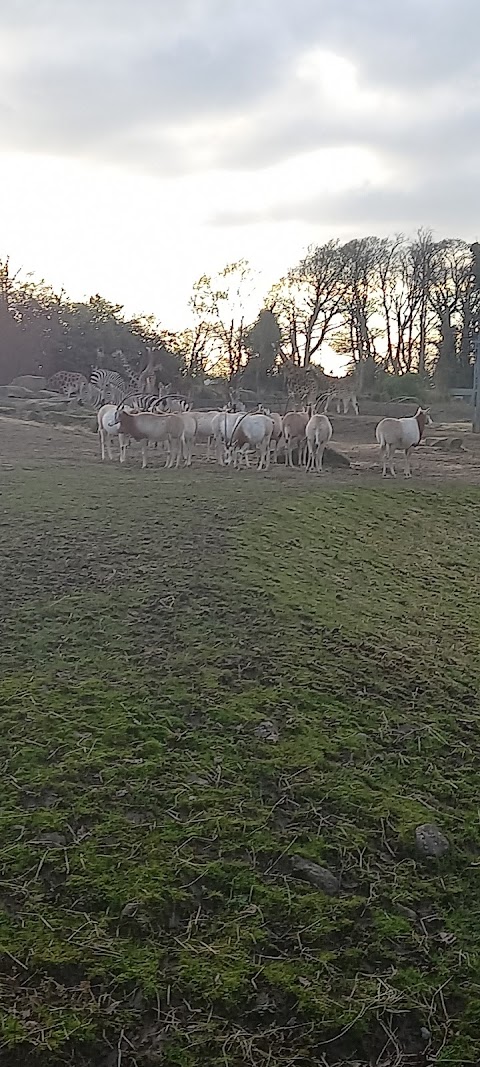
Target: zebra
[
  {"x": 100, "y": 377},
  {"x": 173, "y": 402},
  {"x": 139, "y": 401},
  {"x": 156, "y": 404},
  {"x": 110, "y": 385},
  {"x": 114, "y": 390},
  {"x": 95, "y": 398}
]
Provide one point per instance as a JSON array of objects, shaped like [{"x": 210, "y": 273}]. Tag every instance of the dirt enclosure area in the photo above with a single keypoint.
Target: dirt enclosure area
[{"x": 449, "y": 451}]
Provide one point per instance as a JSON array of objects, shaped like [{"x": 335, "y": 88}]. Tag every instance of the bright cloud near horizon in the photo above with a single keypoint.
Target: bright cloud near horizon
[{"x": 144, "y": 144}]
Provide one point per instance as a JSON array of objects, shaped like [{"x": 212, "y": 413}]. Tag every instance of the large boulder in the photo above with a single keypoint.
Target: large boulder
[
  {"x": 331, "y": 458},
  {"x": 30, "y": 381},
  {"x": 19, "y": 392}
]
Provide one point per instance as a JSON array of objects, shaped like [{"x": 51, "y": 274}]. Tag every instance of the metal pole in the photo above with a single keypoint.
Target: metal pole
[{"x": 476, "y": 387}]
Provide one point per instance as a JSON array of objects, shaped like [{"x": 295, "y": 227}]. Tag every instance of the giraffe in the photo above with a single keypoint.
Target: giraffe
[
  {"x": 344, "y": 391},
  {"x": 148, "y": 376},
  {"x": 146, "y": 380},
  {"x": 68, "y": 383},
  {"x": 136, "y": 382},
  {"x": 303, "y": 384}
]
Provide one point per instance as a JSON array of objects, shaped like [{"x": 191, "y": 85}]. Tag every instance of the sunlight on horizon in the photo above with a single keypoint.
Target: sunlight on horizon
[
  {"x": 142, "y": 241},
  {"x": 60, "y": 231}
]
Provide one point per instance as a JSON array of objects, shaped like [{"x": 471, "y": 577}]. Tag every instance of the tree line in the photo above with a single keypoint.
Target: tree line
[{"x": 393, "y": 304}]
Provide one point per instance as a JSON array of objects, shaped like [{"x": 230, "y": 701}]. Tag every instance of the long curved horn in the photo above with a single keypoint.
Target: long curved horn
[{"x": 235, "y": 427}]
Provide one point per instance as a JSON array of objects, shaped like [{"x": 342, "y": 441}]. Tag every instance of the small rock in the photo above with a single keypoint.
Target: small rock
[
  {"x": 195, "y": 779},
  {"x": 448, "y": 444},
  {"x": 130, "y": 910},
  {"x": 430, "y": 841},
  {"x": 318, "y": 876},
  {"x": 41, "y": 800},
  {"x": 446, "y": 938},
  {"x": 425, "y": 1034},
  {"x": 137, "y": 818},
  {"x": 80, "y": 834},
  {"x": 53, "y": 839},
  {"x": 267, "y": 731},
  {"x": 408, "y": 913},
  {"x": 264, "y": 1003},
  {"x": 135, "y": 912}
]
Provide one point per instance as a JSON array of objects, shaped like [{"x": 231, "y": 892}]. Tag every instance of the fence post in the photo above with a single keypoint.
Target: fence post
[{"x": 476, "y": 386}]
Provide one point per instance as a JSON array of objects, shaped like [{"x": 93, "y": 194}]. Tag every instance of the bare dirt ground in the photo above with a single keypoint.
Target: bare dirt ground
[{"x": 449, "y": 452}]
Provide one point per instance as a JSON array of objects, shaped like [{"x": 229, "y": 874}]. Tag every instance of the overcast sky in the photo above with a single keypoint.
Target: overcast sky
[{"x": 147, "y": 142}]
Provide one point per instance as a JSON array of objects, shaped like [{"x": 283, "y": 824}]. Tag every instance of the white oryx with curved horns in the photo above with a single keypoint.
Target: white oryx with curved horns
[{"x": 403, "y": 434}]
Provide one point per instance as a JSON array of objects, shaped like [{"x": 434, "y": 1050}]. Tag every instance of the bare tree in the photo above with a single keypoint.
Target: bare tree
[
  {"x": 361, "y": 327},
  {"x": 422, "y": 254},
  {"x": 219, "y": 305},
  {"x": 196, "y": 345},
  {"x": 387, "y": 302},
  {"x": 451, "y": 296},
  {"x": 309, "y": 302},
  {"x": 361, "y": 298}
]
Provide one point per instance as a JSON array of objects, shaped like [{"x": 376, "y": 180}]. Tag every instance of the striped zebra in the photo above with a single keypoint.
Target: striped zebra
[
  {"x": 96, "y": 399},
  {"x": 128, "y": 380},
  {"x": 100, "y": 377},
  {"x": 114, "y": 390},
  {"x": 156, "y": 404},
  {"x": 139, "y": 401},
  {"x": 173, "y": 402},
  {"x": 142, "y": 384},
  {"x": 109, "y": 385},
  {"x": 104, "y": 388}
]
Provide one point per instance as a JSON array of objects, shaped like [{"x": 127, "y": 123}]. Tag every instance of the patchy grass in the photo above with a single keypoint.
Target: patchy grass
[{"x": 150, "y": 913}]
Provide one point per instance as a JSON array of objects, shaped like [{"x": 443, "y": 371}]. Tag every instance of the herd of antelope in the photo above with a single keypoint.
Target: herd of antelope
[
  {"x": 128, "y": 409},
  {"x": 235, "y": 435}
]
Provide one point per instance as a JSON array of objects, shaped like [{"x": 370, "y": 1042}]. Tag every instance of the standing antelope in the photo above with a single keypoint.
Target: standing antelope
[
  {"x": 107, "y": 428},
  {"x": 251, "y": 431},
  {"x": 403, "y": 434},
  {"x": 277, "y": 429},
  {"x": 223, "y": 425},
  {"x": 294, "y": 426},
  {"x": 318, "y": 433},
  {"x": 205, "y": 430},
  {"x": 146, "y": 427},
  {"x": 277, "y": 433},
  {"x": 189, "y": 434}
]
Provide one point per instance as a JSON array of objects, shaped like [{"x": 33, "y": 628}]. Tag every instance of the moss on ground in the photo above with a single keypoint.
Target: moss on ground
[{"x": 149, "y": 910}]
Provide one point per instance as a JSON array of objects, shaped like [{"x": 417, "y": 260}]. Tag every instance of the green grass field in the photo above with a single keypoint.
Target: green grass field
[{"x": 151, "y": 912}]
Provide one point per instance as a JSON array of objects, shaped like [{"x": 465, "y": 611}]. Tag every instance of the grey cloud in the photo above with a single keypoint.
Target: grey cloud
[
  {"x": 384, "y": 210},
  {"x": 410, "y": 43},
  {"x": 97, "y": 70},
  {"x": 113, "y": 80},
  {"x": 106, "y": 68}
]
